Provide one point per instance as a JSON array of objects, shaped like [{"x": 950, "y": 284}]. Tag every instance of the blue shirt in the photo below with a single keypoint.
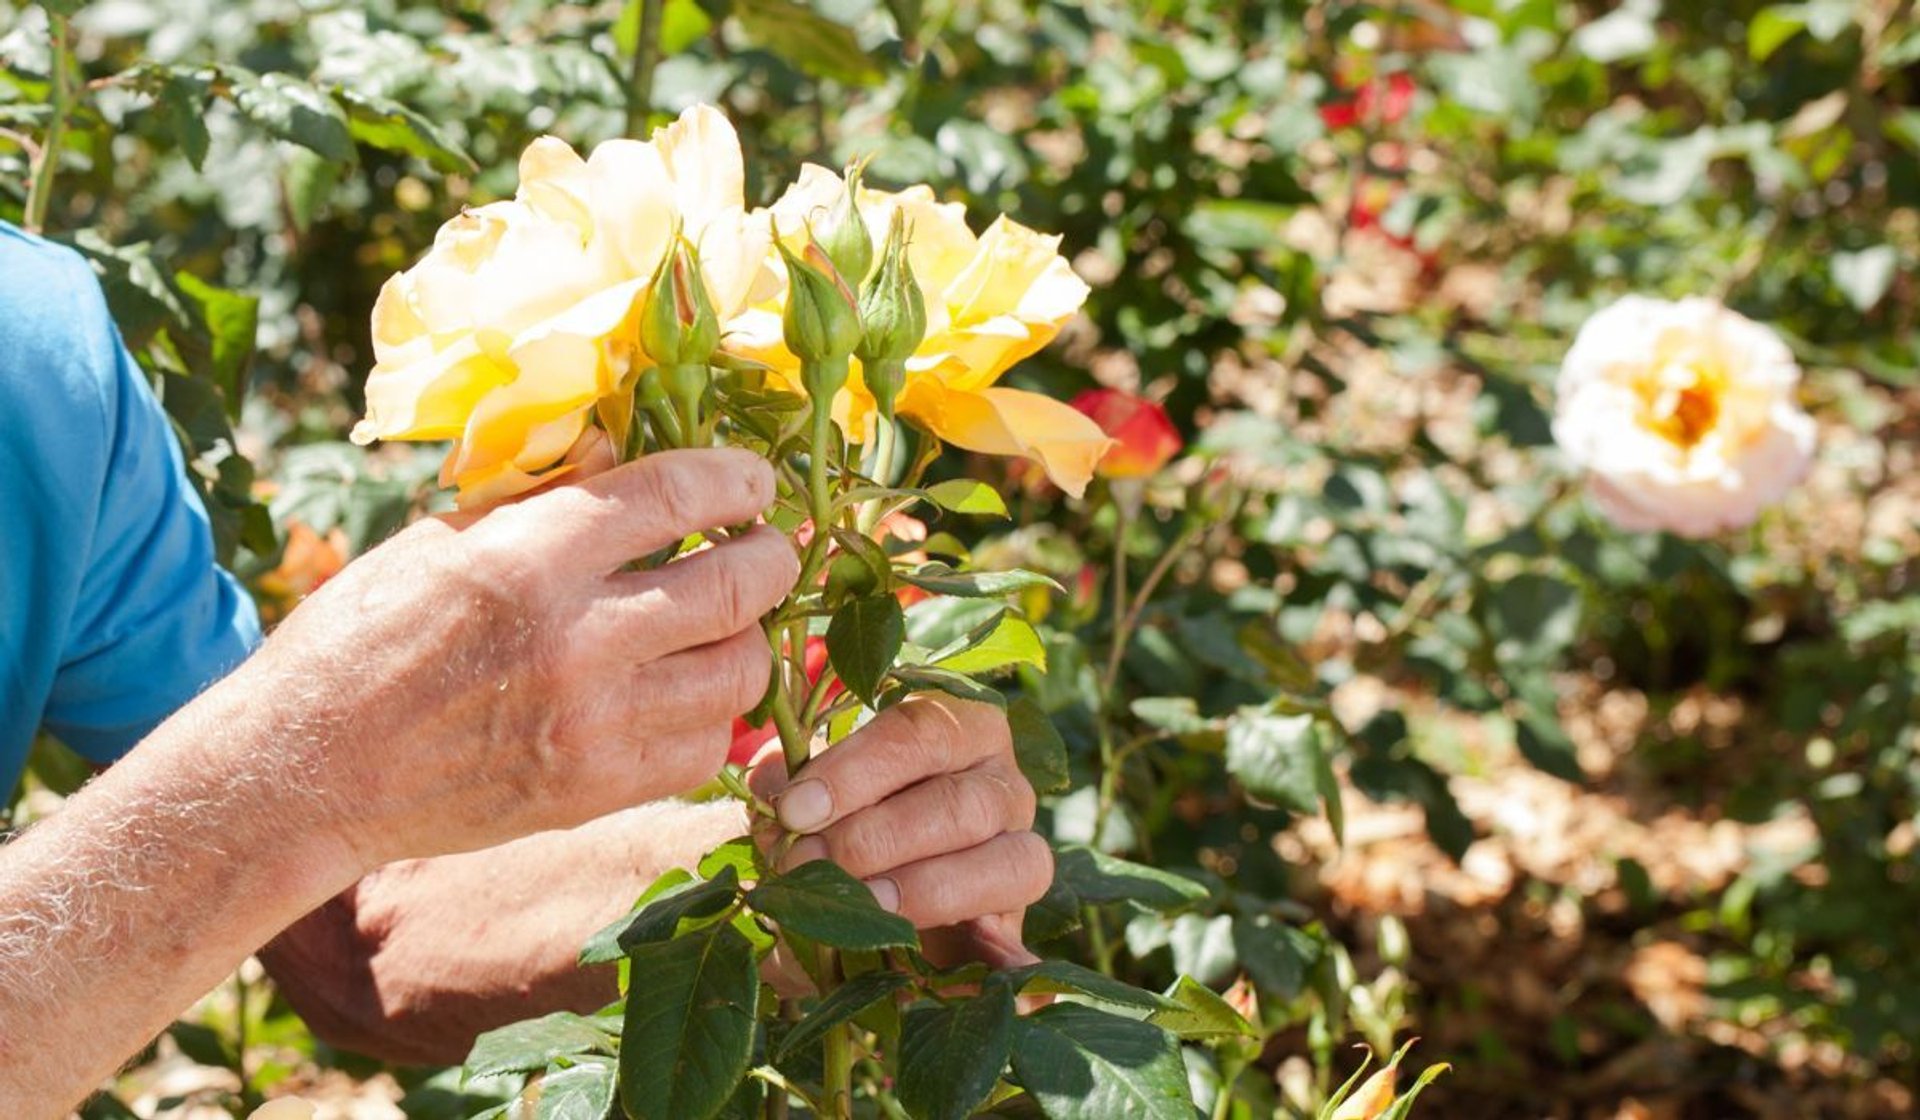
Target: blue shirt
[{"x": 113, "y": 612}]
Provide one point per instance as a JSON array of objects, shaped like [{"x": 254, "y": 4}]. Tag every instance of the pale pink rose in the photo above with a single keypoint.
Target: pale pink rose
[{"x": 1683, "y": 415}]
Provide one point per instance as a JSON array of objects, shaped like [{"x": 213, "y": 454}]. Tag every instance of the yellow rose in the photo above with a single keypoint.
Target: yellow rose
[
  {"x": 992, "y": 300},
  {"x": 521, "y": 315}
]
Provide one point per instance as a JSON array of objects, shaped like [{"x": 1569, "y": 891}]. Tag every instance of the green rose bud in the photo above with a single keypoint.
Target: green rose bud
[
  {"x": 893, "y": 316},
  {"x": 822, "y": 320},
  {"x": 678, "y": 325},
  {"x": 844, "y": 234}
]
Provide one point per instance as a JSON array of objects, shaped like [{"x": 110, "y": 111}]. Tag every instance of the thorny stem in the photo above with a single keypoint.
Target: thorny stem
[{"x": 46, "y": 161}]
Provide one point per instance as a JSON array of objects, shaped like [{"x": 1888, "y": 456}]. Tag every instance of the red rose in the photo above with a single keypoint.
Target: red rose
[
  {"x": 1144, "y": 438},
  {"x": 1380, "y": 101}
]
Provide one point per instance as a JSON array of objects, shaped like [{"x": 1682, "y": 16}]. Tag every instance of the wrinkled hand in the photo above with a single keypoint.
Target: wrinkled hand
[
  {"x": 481, "y": 677},
  {"x": 926, "y": 805}
]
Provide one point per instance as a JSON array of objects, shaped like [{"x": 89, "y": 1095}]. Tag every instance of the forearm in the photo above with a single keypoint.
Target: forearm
[
  {"x": 422, "y": 955},
  {"x": 146, "y": 889}
]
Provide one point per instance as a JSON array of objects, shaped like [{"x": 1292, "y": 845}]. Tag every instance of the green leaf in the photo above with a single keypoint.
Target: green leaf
[
  {"x": 1865, "y": 276},
  {"x": 1402, "y": 1106},
  {"x": 689, "y": 1026},
  {"x": 1771, "y": 28},
  {"x": 1532, "y": 618},
  {"x": 1277, "y": 955},
  {"x": 925, "y": 678},
  {"x": 965, "y": 495},
  {"x": 579, "y": 1092},
  {"x": 1175, "y": 715},
  {"x": 181, "y": 102},
  {"x": 1010, "y": 641},
  {"x": 841, "y": 1006},
  {"x": 740, "y": 853},
  {"x": 1538, "y": 732},
  {"x": 292, "y": 110},
  {"x": 534, "y": 1044},
  {"x": 1097, "y": 877},
  {"x": 823, "y": 903},
  {"x": 862, "y": 641},
  {"x": 1277, "y": 758},
  {"x": 809, "y": 40},
  {"x": 1037, "y": 746},
  {"x": 660, "y": 919},
  {"x": 604, "y": 945},
  {"x": 233, "y": 321},
  {"x": 309, "y": 180},
  {"x": 1201, "y": 1015},
  {"x": 941, "y": 579},
  {"x": 951, "y": 1056},
  {"x": 1083, "y": 1064},
  {"x": 1060, "y": 977},
  {"x": 379, "y": 122}
]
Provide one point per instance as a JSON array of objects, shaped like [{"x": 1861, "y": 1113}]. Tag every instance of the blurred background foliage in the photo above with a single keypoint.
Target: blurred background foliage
[{"x": 1663, "y": 793}]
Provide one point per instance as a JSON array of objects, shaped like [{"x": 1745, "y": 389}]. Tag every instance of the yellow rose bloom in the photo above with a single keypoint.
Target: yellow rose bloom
[
  {"x": 521, "y": 315},
  {"x": 992, "y": 300}
]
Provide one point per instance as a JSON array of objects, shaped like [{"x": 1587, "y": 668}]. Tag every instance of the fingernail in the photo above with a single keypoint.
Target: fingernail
[
  {"x": 886, "y": 892},
  {"x": 805, "y": 850},
  {"x": 806, "y": 805}
]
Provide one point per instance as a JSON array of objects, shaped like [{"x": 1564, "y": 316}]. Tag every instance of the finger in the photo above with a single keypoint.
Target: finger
[
  {"x": 944, "y": 814},
  {"x": 590, "y": 455},
  {"x": 904, "y": 745},
  {"x": 1006, "y": 873},
  {"x": 711, "y": 595},
  {"x": 637, "y": 508},
  {"x": 698, "y": 687},
  {"x": 993, "y": 941}
]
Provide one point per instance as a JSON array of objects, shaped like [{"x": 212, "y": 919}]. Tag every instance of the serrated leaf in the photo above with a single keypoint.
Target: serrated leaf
[
  {"x": 1081, "y": 1064},
  {"x": 1010, "y": 641},
  {"x": 862, "y": 641},
  {"x": 1200, "y": 1015},
  {"x": 659, "y": 920},
  {"x": 823, "y": 903},
  {"x": 1097, "y": 877},
  {"x": 1037, "y": 746},
  {"x": 1277, "y": 955},
  {"x": 965, "y": 495},
  {"x": 534, "y": 1044},
  {"x": 941, "y": 579},
  {"x": 1277, "y": 758},
  {"x": 685, "y": 1046},
  {"x": 951, "y": 1056},
  {"x": 292, "y": 110},
  {"x": 383, "y": 123},
  {"x": 926, "y": 678},
  {"x": 579, "y": 1092},
  {"x": 841, "y": 1006},
  {"x": 1059, "y": 977}
]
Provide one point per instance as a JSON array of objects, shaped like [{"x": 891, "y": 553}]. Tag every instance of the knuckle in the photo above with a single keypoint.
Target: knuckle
[
  {"x": 743, "y": 674},
  {"x": 861, "y": 848},
  {"x": 930, "y": 728},
  {"x": 669, "y": 490},
  {"x": 1030, "y": 865},
  {"x": 969, "y": 809},
  {"x": 728, "y": 594}
]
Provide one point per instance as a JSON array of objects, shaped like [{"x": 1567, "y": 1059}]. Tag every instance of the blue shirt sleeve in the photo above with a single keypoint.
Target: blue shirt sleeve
[{"x": 144, "y": 617}]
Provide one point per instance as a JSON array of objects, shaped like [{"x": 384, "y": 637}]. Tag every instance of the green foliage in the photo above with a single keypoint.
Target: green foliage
[{"x": 244, "y": 184}]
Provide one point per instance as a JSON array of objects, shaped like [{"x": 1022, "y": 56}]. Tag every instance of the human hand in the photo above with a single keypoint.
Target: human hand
[
  {"x": 926, "y": 805},
  {"x": 480, "y": 677}
]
